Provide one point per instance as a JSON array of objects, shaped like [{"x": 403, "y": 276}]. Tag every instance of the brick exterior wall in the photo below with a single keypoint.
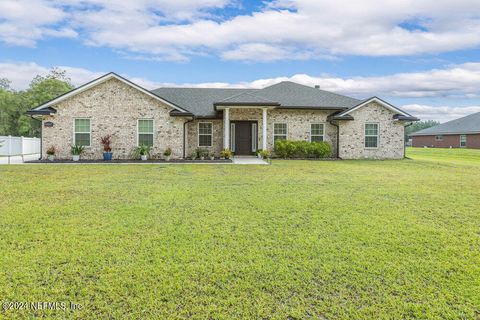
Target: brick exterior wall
[
  {"x": 450, "y": 140},
  {"x": 298, "y": 123},
  {"x": 114, "y": 108},
  {"x": 352, "y": 134},
  {"x": 192, "y": 137}
]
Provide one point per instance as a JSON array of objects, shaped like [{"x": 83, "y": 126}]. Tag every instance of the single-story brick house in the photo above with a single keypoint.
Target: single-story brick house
[
  {"x": 459, "y": 133},
  {"x": 243, "y": 120}
]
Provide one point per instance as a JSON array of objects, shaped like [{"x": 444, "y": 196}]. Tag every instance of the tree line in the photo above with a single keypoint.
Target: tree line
[{"x": 14, "y": 104}]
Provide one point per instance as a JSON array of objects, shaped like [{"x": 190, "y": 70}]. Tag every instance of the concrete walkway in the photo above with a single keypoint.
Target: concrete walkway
[{"x": 248, "y": 160}]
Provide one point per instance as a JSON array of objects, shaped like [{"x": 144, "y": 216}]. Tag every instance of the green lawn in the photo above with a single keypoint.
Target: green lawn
[{"x": 294, "y": 240}]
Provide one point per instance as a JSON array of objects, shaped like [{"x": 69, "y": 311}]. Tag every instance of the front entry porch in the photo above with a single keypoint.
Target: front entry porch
[
  {"x": 245, "y": 129},
  {"x": 243, "y": 137}
]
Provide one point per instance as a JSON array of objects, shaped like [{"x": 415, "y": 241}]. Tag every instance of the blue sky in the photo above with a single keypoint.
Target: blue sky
[{"x": 422, "y": 56}]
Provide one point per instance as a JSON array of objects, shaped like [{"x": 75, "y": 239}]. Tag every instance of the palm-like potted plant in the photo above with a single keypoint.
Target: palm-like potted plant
[
  {"x": 167, "y": 153},
  {"x": 107, "y": 149},
  {"x": 212, "y": 156},
  {"x": 76, "y": 152},
  {"x": 51, "y": 153},
  {"x": 142, "y": 151}
]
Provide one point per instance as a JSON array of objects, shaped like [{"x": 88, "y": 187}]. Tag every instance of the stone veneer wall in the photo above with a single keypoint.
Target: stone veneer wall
[
  {"x": 352, "y": 134},
  {"x": 217, "y": 137},
  {"x": 114, "y": 108},
  {"x": 298, "y": 123}
]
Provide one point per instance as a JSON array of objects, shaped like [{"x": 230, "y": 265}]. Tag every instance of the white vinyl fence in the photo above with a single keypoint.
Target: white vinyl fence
[{"x": 18, "y": 146}]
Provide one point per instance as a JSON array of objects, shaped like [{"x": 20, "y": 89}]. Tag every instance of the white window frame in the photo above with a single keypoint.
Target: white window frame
[
  {"x": 203, "y": 134},
  {"x": 286, "y": 133},
  {"x": 317, "y": 135},
  {"x": 439, "y": 137},
  {"x": 365, "y": 135},
  {"x": 153, "y": 132},
  {"x": 465, "y": 145},
  {"x": 89, "y": 133}
]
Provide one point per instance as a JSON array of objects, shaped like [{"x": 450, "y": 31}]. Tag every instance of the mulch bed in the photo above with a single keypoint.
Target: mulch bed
[{"x": 152, "y": 161}]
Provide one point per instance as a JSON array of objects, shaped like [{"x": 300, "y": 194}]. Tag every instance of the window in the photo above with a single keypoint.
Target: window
[
  {"x": 279, "y": 131},
  {"x": 463, "y": 141},
  {"x": 439, "y": 138},
  {"x": 371, "y": 135},
  {"x": 316, "y": 132},
  {"x": 204, "y": 134},
  {"x": 145, "y": 132},
  {"x": 82, "y": 132}
]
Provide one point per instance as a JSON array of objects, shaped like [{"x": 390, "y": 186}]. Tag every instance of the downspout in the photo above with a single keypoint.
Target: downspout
[
  {"x": 41, "y": 136},
  {"x": 185, "y": 136},
  {"x": 338, "y": 138},
  {"x": 404, "y": 142}
]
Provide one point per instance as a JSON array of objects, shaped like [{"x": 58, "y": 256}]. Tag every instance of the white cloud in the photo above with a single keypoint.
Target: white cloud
[
  {"x": 21, "y": 73},
  {"x": 439, "y": 113},
  {"x": 24, "y": 22},
  {"x": 281, "y": 30},
  {"x": 462, "y": 81}
]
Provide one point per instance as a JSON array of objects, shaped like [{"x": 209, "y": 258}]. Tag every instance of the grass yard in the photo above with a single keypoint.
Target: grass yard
[{"x": 294, "y": 240}]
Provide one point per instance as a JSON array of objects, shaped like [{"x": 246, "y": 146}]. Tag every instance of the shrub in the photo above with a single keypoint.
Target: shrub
[
  {"x": 302, "y": 149},
  {"x": 51, "y": 151},
  {"x": 167, "y": 152},
  {"x": 226, "y": 153}
]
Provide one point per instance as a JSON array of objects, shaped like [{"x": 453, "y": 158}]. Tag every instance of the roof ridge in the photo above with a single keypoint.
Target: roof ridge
[
  {"x": 242, "y": 93},
  {"x": 200, "y": 88},
  {"x": 312, "y": 88}
]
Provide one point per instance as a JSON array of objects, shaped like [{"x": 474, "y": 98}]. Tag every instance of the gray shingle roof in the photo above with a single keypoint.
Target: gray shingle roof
[
  {"x": 246, "y": 98},
  {"x": 468, "y": 124},
  {"x": 200, "y": 101},
  {"x": 291, "y": 94}
]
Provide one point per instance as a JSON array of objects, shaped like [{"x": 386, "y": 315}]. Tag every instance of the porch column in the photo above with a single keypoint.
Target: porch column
[
  {"x": 226, "y": 128},
  {"x": 264, "y": 128}
]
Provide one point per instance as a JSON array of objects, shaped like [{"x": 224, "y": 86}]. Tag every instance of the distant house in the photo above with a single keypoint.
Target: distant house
[
  {"x": 459, "y": 133},
  {"x": 242, "y": 120}
]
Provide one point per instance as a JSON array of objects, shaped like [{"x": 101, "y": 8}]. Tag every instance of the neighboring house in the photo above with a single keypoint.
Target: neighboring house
[
  {"x": 243, "y": 120},
  {"x": 458, "y": 133}
]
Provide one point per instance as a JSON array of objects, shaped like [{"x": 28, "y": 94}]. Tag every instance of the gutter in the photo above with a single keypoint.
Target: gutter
[
  {"x": 185, "y": 136},
  {"x": 338, "y": 138}
]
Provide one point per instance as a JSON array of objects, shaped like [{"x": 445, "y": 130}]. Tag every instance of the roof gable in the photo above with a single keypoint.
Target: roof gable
[
  {"x": 98, "y": 81},
  {"x": 377, "y": 100}
]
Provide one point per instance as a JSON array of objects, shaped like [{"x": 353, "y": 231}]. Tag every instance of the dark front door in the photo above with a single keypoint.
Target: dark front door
[{"x": 243, "y": 138}]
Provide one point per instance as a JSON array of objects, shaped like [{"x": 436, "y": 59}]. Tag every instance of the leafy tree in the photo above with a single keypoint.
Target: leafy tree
[
  {"x": 420, "y": 125},
  {"x": 13, "y": 104}
]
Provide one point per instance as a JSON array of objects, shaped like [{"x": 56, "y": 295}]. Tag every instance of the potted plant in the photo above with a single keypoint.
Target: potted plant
[
  {"x": 264, "y": 154},
  {"x": 107, "y": 150},
  {"x": 142, "y": 151},
  {"x": 167, "y": 153},
  {"x": 194, "y": 156},
  {"x": 212, "y": 156},
  {"x": 51, "y": 153},
  {"x": 226, "y": 154},
  {"x": 76, "y": 152},
  {"x": 259, "y": 155}
]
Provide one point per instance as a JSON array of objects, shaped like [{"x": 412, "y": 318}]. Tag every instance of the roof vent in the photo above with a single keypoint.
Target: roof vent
[{"x": 317, "y": 86}]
